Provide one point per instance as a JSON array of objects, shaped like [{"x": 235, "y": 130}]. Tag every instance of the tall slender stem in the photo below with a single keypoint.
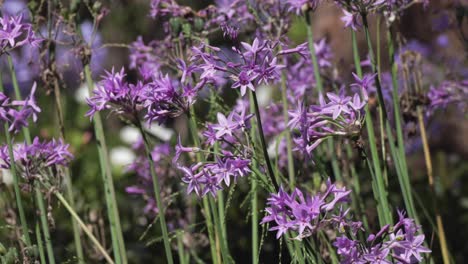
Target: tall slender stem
[
  {"x": 109, "y": 192},
  {"x": 284, "y": 99},
  {"x": 84, "y": 227},
  {"x": 14, "y": 173},
  {"x": 262, "y": 140},
  {"x": 254, "y": 191},
  {"x": 380, "y": 192},
  {"x": 157, "y": 193},
  {"x": 400, "y": 148},
  {"x": 209, "y": 222},
  {"x": 67, "y": 174},
  {"x": 39, "y": 195},
  {"x": 40, "y": 246},
  {"x": 45, "y": 224}
]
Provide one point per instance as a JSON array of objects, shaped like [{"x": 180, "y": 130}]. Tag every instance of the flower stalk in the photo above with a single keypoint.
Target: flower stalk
[{"x": 111, "y": 203}]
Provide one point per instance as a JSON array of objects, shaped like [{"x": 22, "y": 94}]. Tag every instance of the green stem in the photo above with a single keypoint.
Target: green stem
[
  {"x": 209, "y": 222},
  {"x": 109, "y": 192},
  {"x": 84, "y": 227},
  {"x": 313, "y": 54},
  {"x": 45, "y": 224},
  {"x": 319, "y": 85},
  {"x": 180, "y": 247},
  {"x": 39, "y": 196},
  {"x": 19, "y": 201},
  {"x": 262, "y": 140},
  {"x": 400, "y": 148},
  {"x": 253, "y": 187},
  {"x": 380, "y": 192},
  {"x": 67, "y": 178},
  {"x": 39, "y": 243},
  {"x": 14, "y": 173},
  {"x": 284, "y": 99},
  {"x": 157, "y": 193}
]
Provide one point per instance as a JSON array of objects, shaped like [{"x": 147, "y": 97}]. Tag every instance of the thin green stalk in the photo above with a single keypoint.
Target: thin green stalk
[
  {"x": 380, "y": 192},
  {"x": 254, "y": 201},
  {"x": 222, "y": 216},
  {"x": 380, "y": 110},
  {"x": 157, "y": 193},
  {"x": 398, "y": 123},
  {"x": 222, "y": 241},
  {"x": 40, "y": 247},
  {"x": 319, "y": 85},
  {"x": 313, "y": 55},
  {"x": 51, "y": 4},
  {"x": 206, "y": 207},
  {"x": 84, "y": 227},
  {"x": 398, "y": 157},
  {"x": 263, "y": 142},
  {"x": 109, "y": 192},
  {"x": 39, "y": 196},
  {"x": 45, "y": 224},
  {"x": 67, "y": 180},
  {"x": 180, "y": 247},
  {"x": 284, "y": 99},
  {"x": 14, "y": 173}
]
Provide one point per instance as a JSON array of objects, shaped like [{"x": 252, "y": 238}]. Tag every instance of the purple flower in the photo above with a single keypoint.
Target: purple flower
[
  {"x": 15, "y": 33},
  {"x": 303, "y": 213},
  {"x": 114, "y": 93},
  {"x": 36, "y": 160},
  {"x": 16, "y": 113},
  {"x": 448, "y": 93},
  {"x": 207, "y": 177},
  {"x": 298, "y": 6},
  {"x": 351, "y": 20}
]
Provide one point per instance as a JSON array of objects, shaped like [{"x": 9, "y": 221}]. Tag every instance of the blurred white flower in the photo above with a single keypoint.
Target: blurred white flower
[
  {"x": 163, "y": 133},
  {"x": 82, "y": 94},
  {"x": 121, "y": 156},
  {"x": 130, "y": 135},
  {"x": 6, "y": 176},
  {"x": 263, "y": 95}
]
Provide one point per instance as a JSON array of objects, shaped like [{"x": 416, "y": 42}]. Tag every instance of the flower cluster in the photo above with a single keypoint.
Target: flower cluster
[
  {"x": 14, "y": 33},
  {"x": 38, "y": 159},
  {"x": 449, "y": 93},
  {"x": 299, "y": 6},
  {"x": 207, "y": 177},
  {"x": 353, "y": 10},
  {"x": 307, "y": 214},
  {"x": 161, "y": 96},
  {"x": 16, "y": 113},
  {"x": 253, "y": 65},
  {"x": 401, "y": 243},
  {"x": 341, "y": 116}
]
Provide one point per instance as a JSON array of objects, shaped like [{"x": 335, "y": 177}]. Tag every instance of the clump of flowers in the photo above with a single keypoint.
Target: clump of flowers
[
  {"x": 253, "y": 65},
  {"x": 401, "y": 243},
  {"x": 306, "y": 214},
  {"x": 14, "y": 33},
  {"x": 341, "y": 116},
  {"x": 16, "y": 113},
  {"x": 232, "y": 162},
  {"x": 39, "y": 160},
  {"x": 161, "y": 96},
  {"x": 449, "y": 93}
]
